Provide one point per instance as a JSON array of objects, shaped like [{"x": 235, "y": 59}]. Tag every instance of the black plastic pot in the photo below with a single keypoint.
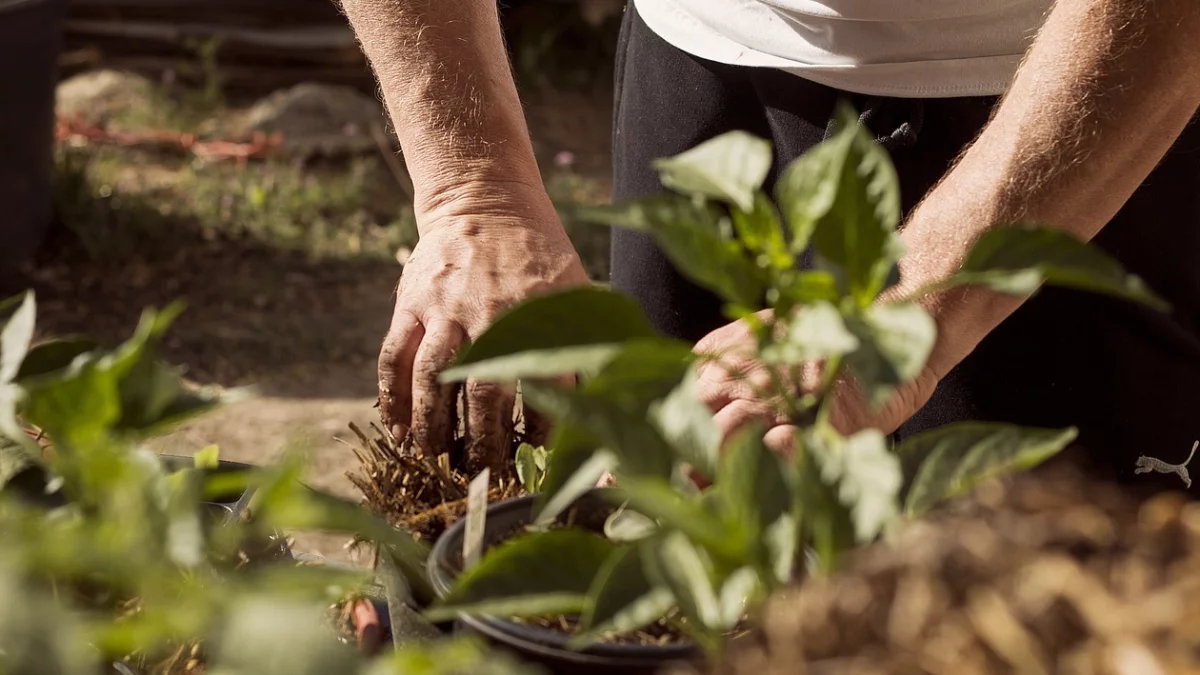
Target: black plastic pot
[
  {"x": 30, "y": 42},
  {"x": 537, "y": 645}
]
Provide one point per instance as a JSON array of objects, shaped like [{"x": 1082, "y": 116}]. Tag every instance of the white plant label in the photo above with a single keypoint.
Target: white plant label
[{"x": 477, "y": 496}]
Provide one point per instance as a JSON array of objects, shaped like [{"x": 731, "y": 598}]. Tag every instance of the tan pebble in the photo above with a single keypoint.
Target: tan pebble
[
  {"x": 996, "y": 624},
  {"x": 912, "y": 607},
  {"x": 1041, "y": 582},
  {"x": 1161, "y": 510},
  {"x": 854, "y": 597},
  {"x": 1040, "y": 497},
  {"x": 1189, "y": 518},
  {"x": 981, "y": 543},
  {"x": 1082, "y": 659},
  {"x": 990, "y": 494},
  {"x": 1131, "y": 658},
  {"x": 948, "y": 641},
  {"x": 1132, "y": 576},
  {"x": 1089, "y": 523}
]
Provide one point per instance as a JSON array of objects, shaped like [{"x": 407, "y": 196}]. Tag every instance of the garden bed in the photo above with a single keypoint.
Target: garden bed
[{"x": 1049, "y": 572}]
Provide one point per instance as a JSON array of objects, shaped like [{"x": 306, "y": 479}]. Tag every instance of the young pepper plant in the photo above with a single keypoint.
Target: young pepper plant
[
  {"x": 714, "y": 553},
  {"x": 108, "y": 555}
]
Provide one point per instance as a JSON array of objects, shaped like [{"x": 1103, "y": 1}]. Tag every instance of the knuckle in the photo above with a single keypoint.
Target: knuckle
[
  {"x": 389, "y": 354},
  {"x": 486, "y": 394}
]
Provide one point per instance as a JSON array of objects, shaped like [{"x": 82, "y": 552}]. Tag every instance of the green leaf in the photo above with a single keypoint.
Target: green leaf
[
  {"x": 208, "y": 458},
  {"x": 526, "y": 466},
  {"x": 408, "y": 626},
  {"x": 729, "y": 167},
  {"x": 622, "y": 598},
  {"x": 577, "y": 317},
  {"x": 53, "y": 355},
  {"x": 742, "y": 589},
  {"x": 687, "y": 424},
  {"x": 148, "y": 391},
  {"x": 808, "y": 187},
  {"x": 761, "y": 232},
  {"x": 627, "y": 525},
  {"x": 858, "y": 232},
  {"x": 144, "y": 342},
  {"x": 573, "y": 468},
  {"x": 1019, "y": 258},
  {"x": 641, "y": 449},
  {"x": 27, "y": 454},
  {"x": 868, "y": 477},
  {"x": 40, "y": 635},
  {"x": 801, "y": 287},
  {"x": 21, "y": 471},
  {"x": 540, "y": 573},
  {"x": 950, "y": 460},
  {"x": 538, "y": 363},
  {"x": 781, "y": 541},
  {"x": 283, "y": 502},
  {"x": 129, "y": 389},
  {"x": 642, "y": 372},
  {"x": 677, "y": 564},
  {"x": 16, "y": 336},
  {"x": 265, "y": 635},
  {"x": 657, "y": 499},
  {"x": 814, "y": 332},
  {"x": 75, "y": 404},
  {"x": 753, "y": 484},
  {"x": 690, "y": 236},
  {"x": 896, "y": 340},
  {"x": 192, "y": 403},
  {"x": 185, "y": 540}
]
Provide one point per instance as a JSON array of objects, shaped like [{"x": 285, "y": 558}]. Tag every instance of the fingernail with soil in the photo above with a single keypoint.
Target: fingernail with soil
[
  {"x": 367, "y": 627},
  {"x": 399, "y": 432}
]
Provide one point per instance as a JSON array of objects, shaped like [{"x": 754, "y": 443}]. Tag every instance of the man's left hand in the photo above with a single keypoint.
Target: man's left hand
[{"x": 739, "y": 390}]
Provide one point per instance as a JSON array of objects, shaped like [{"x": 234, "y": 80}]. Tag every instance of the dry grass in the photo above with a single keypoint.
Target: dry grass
[
  {"x": 1051, "y": 572},
  {"x": 422, "y": 493}
]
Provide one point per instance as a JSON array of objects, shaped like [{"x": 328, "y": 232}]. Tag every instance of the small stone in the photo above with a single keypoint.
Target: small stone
[
  {"x": 1131, "y": 658},
  {"x": 99, "y": 96},
  {"x": 318, "y": 119},
  {"x": 1161, "y": 511}
]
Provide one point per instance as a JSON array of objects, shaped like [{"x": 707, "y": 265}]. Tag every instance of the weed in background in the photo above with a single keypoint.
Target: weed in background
[{"x": 119, "y": 206}]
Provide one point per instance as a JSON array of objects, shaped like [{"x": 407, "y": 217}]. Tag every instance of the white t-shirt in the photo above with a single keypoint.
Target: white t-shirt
[{"x": 903, "y": 48}]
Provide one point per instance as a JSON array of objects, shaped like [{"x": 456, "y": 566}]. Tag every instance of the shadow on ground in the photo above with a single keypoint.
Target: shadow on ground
[
  {"x": 293, "y": 325},
  {"x": 304, "y": 331}
]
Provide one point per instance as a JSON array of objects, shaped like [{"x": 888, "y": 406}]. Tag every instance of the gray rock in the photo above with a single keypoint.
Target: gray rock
[
  {"x": 319, "y": 119},
  {"x": 99, "y": 96}
]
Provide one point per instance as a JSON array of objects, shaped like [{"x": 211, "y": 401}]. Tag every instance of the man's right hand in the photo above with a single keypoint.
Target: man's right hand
[
  {"x": 476, "y": 257},
  {"x": 489, "y": 235}
]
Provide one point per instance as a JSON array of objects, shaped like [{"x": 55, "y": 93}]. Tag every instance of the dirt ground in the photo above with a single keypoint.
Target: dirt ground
[{"x": 302, "y": 325}]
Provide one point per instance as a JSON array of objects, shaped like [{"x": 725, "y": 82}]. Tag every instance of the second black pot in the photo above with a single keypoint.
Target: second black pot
[{"x": 538, "y": 645}]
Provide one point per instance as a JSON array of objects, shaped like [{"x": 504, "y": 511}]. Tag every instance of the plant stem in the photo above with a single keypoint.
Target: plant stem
[{"x": 833, "y": 368}]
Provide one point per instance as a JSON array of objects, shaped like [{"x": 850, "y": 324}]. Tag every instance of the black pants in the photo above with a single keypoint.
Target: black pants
[{"x": 1127, "y": 377}]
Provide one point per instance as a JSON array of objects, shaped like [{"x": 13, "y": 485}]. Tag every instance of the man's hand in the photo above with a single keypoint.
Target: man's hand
[
  {"x": 489, "y": 234},
  {"x": 461, "y": 274},
  {"x": 1102, "y": 94},
  {"x": 739, "y": 390}
]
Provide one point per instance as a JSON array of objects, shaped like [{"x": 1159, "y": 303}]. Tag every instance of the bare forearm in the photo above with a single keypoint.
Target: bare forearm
[
  {"x": 446, "y": 81},
  {"x": 1105, "y": 90}
]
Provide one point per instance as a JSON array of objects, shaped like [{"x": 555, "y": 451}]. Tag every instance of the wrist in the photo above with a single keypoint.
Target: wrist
[
  {"x": 937, "y": 244},
  {"x": 505, "y": 201}
]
